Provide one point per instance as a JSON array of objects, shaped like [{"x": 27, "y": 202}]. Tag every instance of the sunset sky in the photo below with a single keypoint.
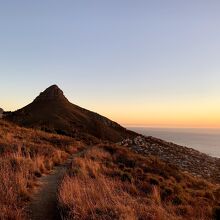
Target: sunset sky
[{"x": 138, "y": 62}]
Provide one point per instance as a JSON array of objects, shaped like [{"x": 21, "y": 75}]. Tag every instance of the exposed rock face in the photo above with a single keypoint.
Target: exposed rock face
[
  {"x": 188, "y": 159},
  {"x": 1, "y": 112},
  {"x": 51, "y": 111},
  {"x": 51, "y": 93}
]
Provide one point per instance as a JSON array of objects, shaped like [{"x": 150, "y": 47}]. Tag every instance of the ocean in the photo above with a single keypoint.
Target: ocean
[{"x": 204, "y": 140}]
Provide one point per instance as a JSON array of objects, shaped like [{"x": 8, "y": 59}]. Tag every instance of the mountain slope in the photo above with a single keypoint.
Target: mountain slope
[
  {"x": 112, "y": 182},
  {"x": 51, "y": 111},
  {"x": 26, "y": 154},
  {"x": 1, "y": 112}
]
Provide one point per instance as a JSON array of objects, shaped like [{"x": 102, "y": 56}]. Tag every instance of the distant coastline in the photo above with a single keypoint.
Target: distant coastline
[{"x": 204, "y": 140}]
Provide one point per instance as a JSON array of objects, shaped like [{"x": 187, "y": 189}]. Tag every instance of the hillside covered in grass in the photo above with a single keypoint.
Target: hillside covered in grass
[
  {"x": 112, "y": 182},
  {"x": 26, "y": 154},
  {"x": 108, "y": 181}
]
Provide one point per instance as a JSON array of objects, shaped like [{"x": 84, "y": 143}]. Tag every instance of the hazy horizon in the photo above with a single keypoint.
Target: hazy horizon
[
  {"x": 168, "y": 127},
  {"x": 202, "y": 139},
  {"x": 153, "y": 63}
]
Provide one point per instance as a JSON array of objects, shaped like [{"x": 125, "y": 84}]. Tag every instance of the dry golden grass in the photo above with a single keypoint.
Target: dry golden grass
[
  {"x": 26, "y": 154},
  {"x": 114, "y": 183},
  {"x": 103, "y": 198},
  {"x": 108, "y": 182}
]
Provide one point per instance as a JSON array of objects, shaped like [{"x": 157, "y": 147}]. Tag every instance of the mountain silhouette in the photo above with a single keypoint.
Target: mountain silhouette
[
  {"x": 1, "y": 112},
  {"x": 51, "y": 111}
]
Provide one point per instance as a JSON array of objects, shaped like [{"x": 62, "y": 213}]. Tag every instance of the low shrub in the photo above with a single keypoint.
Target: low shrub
[
  {"x": 153, "y": 181},
  {"x": 216, "y": 212},
  {"x": 177, "y": 200},
  {"x": 126, "y": 177},
  {"x": 166, "y": 193}
]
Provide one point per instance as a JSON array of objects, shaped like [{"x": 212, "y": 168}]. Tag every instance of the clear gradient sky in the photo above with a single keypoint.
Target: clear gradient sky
[{"x": 142, "y": 62}]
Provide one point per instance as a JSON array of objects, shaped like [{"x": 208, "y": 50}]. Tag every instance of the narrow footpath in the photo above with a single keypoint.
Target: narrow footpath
[{"x": 44, "y": 202}]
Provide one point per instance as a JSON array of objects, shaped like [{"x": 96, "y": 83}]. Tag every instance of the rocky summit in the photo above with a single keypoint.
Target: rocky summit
[{"x": 51, "y": 93}]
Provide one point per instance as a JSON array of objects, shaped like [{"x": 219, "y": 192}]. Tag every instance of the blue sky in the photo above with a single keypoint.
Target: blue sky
[{"x": 138, "y": 62}]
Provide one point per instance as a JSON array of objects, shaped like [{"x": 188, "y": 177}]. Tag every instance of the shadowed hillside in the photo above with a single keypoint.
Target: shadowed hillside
[
  {"x": 1, "y": 112},
  {"x": 51, "y": 111}
]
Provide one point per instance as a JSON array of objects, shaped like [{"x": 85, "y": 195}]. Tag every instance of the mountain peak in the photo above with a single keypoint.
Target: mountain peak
[
  {"x": 51, "y": 111},
  {"x": 51, "y": 93}
]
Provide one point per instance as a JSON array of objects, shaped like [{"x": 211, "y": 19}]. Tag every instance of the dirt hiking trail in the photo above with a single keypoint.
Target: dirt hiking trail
[{"x": 43, "y": 205}]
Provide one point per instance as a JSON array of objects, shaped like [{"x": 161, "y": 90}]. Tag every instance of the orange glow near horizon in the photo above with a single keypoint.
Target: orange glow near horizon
[
  {"x": 173, "y": 122},
  {"x": 173, "y": 114},
  {"x": 187, "y": 115}
]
